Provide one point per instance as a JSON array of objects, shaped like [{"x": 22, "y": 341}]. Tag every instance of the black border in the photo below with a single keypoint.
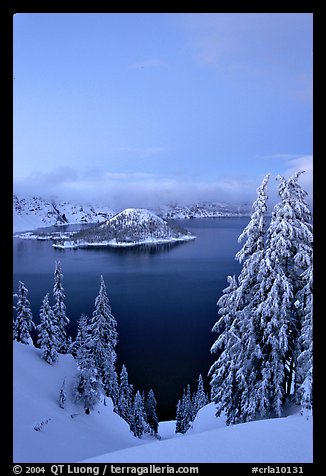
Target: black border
[{"x": 7, "y": 10}]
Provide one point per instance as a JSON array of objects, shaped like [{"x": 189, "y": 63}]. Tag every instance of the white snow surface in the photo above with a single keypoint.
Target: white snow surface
[
  {"x": 68, "y": 435},
  {"x": 279, "y": 440},
  {"x": 30, "y": 213}
]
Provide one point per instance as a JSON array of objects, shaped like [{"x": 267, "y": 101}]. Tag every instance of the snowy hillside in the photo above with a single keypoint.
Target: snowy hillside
[
  {"x": 44, "y": 432},
  {"x": 132, "y": 226},
  {"x": 67, "y": 435},
  {"x": 35, "y": 212}
]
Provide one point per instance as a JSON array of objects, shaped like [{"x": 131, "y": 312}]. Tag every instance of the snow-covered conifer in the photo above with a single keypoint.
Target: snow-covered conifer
[
  {"x": 200, "y": 397},
  {"x": 138, "y": 423},
  {"x": 88, "y": 388},
  {"x": 23, "y": 324},
  {"x": 102, "y": 340},
  {"x": 47, "y": 332},
  {"x": 125, "y": 399},
  {"x": 81, "y": 337},
  {"x": 304, "y": 367},
  {"x": 59, "y": 310},
  {"x": 224, "y": 386},
  {"x": 150, "y": 410}
]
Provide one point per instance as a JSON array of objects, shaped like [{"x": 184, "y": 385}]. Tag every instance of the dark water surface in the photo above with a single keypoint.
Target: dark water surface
[{"x": 163, "y": 298}]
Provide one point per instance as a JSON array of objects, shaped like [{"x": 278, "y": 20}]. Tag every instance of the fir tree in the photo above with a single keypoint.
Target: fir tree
[
  {"x": 200, "y": 397},
  {"x": 138, "y": 423},
  {"x": 304, "y": 368},
  {"x": 59, "y": 310},
  {"x": 81, "y": 337},
  {"x": 150, "y": 410},
  {"x": 89, "y": 386},
  {"x": 102, "y": 340},
  {"x": 23, "y": 324},
  {"x": 47, "y": 333},
  {"x": 185, "y": 412},
  {"x": 125, "y": 399},
  {"x": 224, "y": 385}
]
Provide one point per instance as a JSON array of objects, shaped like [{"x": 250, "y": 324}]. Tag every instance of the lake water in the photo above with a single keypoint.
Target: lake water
[{"x": 163, "y": 298}]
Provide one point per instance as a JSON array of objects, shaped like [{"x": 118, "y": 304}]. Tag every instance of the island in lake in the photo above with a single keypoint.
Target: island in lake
[{"x": 131, "y": 227}]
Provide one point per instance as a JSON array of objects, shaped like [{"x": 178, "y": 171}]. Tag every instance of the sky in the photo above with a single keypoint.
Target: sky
[{"x": 139, "y": 109}]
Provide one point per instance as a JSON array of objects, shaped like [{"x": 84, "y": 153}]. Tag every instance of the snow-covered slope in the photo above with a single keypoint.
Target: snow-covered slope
[
  {"x": 44, "y": 432},
  {"x": 67, "y": 435},
  {"x": 35, "y": 212},
  {"x": 279, "y": 440}
]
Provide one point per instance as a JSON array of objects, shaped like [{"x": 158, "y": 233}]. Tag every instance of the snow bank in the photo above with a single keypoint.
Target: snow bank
[
  {"x": 67, "y": 435},
  {"x": 281, "y": 440}
]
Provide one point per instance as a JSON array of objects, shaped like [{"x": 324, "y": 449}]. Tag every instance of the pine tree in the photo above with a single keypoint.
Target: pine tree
[
  {"x": 287, "y": 258},
  {"x": 150, "y": 410},
  {"x": 185, "y": 412},
  {"x": 225, "y": 392},
  {"x": 200, "y": 397},
  {"x": 23, "y": 324},
  {"x": 125, "y": 399},
  {"x": 138, "y": 423},
  {"x": 88, "y": 389},
  {"x": 304, "y": 368},
  {"x": 81, "y": 337},
  {"x": 59, "y": 310},
  {"x": 47, "y": 333},
  {"x": 179, "y": 418},
  {"x": 102, "y": 340}
]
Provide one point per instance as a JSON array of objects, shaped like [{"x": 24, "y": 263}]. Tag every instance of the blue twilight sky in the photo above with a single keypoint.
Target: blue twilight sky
[{"x": 143, "y": 108}]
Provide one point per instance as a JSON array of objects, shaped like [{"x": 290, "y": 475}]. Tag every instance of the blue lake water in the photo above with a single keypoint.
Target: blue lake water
[{"x": 163, "y": 298}]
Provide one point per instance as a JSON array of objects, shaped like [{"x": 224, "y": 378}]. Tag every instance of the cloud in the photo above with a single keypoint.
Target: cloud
[{"x": 120, "y": 190}]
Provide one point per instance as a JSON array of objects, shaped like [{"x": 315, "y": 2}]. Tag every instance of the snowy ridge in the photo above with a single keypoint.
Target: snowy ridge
[
  {"x": 34, "y": 212},
  {"x": 68, "y": 435},
  {"x": 131, "y": 227},
  {"x": 204, "y": 210}
]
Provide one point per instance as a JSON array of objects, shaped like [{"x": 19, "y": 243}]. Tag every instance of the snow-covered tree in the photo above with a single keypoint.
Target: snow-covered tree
[
  {"x": 47, "y": 333},
  {"x": 150, "y": 410},
  {"x": 225, "y": 391},
  {"x": 23, "y": 324},
  {"x": 260, "y": 323},
  {"x": 102, "y": 340},
  {"x": 62, "y": 395},
  {"x": 88, "y": 388},
  {"x": 138, "y": 422},
  {"x": 125, "y": 399},
  {"x": 81, "y": 337},
  {"x": 304, "y": 367},
  {"x": 59, "y": 310},
  {"x": 185, "y": 412},
  {"x": 200, "y": 398}
]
